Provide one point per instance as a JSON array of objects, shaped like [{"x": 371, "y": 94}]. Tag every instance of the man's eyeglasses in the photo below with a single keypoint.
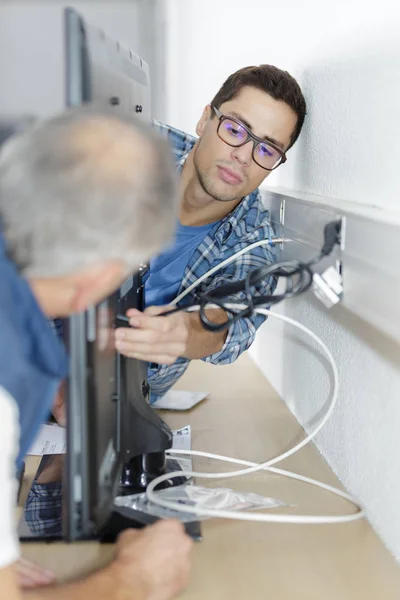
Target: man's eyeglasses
[{"x": 231, "y": 131}]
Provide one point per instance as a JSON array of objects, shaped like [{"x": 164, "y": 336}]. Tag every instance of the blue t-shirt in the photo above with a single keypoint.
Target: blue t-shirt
[{"x": 167, "y": 269}]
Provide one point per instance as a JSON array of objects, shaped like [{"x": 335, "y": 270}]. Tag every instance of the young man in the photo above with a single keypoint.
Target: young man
[
  {"x": 244, "y": 134},
  {"x": 84, "y": 198}
]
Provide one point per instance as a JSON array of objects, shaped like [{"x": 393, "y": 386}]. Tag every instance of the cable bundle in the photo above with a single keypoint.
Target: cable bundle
[{"x": 298, "y": 276}]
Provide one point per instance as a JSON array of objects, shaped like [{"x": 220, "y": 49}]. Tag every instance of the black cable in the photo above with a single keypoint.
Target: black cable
[
  {"x": 298, "y": 280},
  {"x": 298, "y": 276}
]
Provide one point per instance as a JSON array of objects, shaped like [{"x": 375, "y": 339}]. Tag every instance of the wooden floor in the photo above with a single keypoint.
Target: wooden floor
[{"x": 243, "y": 417}]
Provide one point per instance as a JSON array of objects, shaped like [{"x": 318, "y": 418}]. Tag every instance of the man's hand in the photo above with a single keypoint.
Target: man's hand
[
  {"x": 154, "y": 563},
  {"x": 154, "y": 338},
  {"x": 58, "y": 409},
  {"x": 151, "y": 564},
  {"x": 29, "y": 575}
]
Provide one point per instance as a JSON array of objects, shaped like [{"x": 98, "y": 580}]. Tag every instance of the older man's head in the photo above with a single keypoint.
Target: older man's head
[{"x": 84, "y": 198}]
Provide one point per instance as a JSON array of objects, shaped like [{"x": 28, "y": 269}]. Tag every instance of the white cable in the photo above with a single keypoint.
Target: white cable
[
  {"x": 311, "y": 519},
  {"x": 228, "y": 459},
  {"x": 275, "y": 518},
  {"x": 226, "y": 262},
  {"x": 253, "y": 516}
]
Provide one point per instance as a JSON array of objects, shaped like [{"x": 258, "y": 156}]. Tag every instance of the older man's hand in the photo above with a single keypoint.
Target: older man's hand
[
  {"x": 154, "y": 338},
  {"x": 154, "y": 562},
  {"x": 59, "y": 408},
  {"x": 30, "y": 575}
]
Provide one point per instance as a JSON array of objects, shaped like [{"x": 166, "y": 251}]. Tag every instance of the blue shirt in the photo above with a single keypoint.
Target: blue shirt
[
  {"x": 32, "y": 359},
  {"x": 167, "y": 269},
  {"x": 249, "y": 222}
]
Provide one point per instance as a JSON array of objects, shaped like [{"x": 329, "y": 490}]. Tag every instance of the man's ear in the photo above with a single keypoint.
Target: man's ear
[
  {"x": 205, "y": 117},
  {"x": 95, "y": 283}
]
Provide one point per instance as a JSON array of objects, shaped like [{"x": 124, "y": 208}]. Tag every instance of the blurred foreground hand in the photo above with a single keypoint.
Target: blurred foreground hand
[
  {"x": 30, "y": 575},
  {"x": 59, "y": 409}
]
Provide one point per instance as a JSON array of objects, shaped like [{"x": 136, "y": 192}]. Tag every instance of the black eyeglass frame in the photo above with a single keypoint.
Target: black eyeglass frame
[{"x": 250, "y": 136}]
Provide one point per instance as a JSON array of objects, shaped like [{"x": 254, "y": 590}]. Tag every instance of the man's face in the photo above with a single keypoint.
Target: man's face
[{"x": 228, "y": 173}]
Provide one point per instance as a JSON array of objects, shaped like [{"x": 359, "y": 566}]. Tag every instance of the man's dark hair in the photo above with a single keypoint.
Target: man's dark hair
[{"x": 271, "y": 80}]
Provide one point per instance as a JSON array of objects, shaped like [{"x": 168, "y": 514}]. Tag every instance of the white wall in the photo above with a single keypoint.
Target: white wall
[
  {"x": 32, "y": 48},
  {"x": 346, "y": 56}
]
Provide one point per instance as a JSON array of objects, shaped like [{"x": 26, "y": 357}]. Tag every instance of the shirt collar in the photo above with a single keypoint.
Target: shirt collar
[{"x": 181, "y": 161}]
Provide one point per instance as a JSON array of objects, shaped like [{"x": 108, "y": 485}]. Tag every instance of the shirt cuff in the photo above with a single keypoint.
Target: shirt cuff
[{"x": 229, "y": 351}]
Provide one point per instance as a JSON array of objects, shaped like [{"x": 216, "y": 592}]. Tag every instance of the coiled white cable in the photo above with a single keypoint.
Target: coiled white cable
[{"x": 253, "y": 467}]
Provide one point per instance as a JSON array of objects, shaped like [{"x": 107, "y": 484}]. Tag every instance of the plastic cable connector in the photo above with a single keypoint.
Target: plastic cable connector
[{"x": 328, "y": 287}]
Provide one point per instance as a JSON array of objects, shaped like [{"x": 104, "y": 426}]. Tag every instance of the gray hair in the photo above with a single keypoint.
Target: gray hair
[{"x": 84, "y": 187}]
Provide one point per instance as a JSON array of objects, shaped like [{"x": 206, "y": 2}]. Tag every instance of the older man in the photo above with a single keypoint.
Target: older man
[{"x": 84, "y": 198}]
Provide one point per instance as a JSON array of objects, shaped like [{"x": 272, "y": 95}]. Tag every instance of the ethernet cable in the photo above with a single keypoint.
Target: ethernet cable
[{"x": 265, "y": 466}]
